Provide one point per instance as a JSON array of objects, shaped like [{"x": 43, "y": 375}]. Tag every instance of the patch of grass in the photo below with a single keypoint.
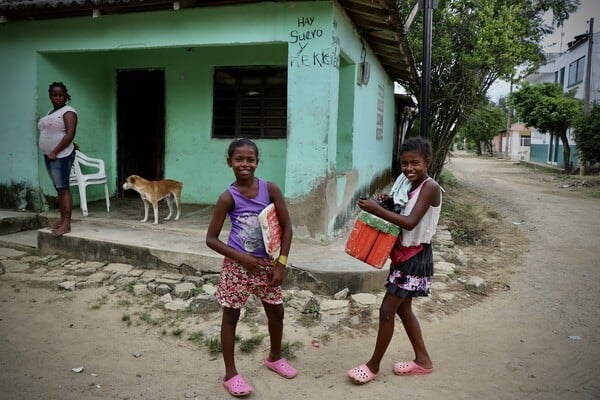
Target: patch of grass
[
  {"x": 99, "y": 302},
  {"x": 127, "y": 319},
  {"x": 70, "y": 297},
  {"x": 196, "y": 291},
  {"x": 448, "y": 180},
  {"x": 248, "y": 345},
  {"x": 288, "y": 350},
  {"x": 465, "y": 218},
  {"x": 196, "y": 337},
  {"x": 129, "y": 287},
  {"x": 493, "y": 214},
  {"x": 595, "y": 193},
  {"x": 214, "y": 345},
  {"x": 308, "y": 320},
  {"x": 287, "y": 299},
  {"x": 147, "y": 318},
  {"x": 177, "y": 332},
  {"x": 124, "y": 303}
]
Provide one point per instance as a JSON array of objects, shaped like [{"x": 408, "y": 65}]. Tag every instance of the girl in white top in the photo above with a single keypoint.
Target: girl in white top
[
  {"x": 57, "y": 131},
  {"x": 412, "y": 261}
]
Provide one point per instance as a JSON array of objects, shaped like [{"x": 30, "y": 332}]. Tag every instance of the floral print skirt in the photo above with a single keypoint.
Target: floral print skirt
[
  {"x": 236, "y": 284},
  {"x": 412, "y": 278}
]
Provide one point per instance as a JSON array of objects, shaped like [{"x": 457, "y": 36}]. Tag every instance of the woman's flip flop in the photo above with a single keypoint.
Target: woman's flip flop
[
  {"x": 361, "y": 374},
  {"x": 282, "y": 367},
  {"x": 237, "y": 386},
  {"x": 410, "y": 368}
]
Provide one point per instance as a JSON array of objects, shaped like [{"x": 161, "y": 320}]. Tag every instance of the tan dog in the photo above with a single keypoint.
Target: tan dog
[{"x": 152, "y": 192}]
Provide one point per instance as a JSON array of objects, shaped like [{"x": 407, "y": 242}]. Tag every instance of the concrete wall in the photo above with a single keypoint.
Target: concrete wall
[{"x": 308, "y": 37}]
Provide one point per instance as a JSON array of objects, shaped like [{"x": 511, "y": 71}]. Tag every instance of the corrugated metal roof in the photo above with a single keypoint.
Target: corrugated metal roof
[{"x": 378, "y": 21}]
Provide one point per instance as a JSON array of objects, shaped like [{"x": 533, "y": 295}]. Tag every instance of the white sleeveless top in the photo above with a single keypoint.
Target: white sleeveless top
[
  {"x": 425, "y": 229},
  {"x": 52, "y": 130}
]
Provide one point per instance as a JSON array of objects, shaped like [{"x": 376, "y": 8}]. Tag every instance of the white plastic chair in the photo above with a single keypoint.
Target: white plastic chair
[{"x": 78, "y": 178}]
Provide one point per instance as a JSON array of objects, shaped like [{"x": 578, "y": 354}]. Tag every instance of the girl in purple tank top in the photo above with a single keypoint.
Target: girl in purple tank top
[{"x": 247, "y": 268}]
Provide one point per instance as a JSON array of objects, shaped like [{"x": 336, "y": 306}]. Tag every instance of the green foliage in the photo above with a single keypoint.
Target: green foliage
[
  {"x": 196, "y": 337},
  {"x": 467, "y": 222},
  {"x": 177, "y": 332},
  {"x": 196, "y": 291},
  {"x": 549, "y": 109},
  {"x": 214, "y": 345},
  {"x": 147, "y": 318},
  {"x": 448, "y": 180},
  {"x": 127, "y": 319},
  {"x": 483, "y": 125},
  {"x": 587, "y": 135},
  {"x": 21, "y": 196},
  {"x": 546, "y": 107},
  {"x": 288, "y": 350},
  {"x": 474, "y": 43},
  {"x": 248, "y": 345}
]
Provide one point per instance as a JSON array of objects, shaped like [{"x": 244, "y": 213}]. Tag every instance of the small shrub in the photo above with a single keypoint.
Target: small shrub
[
  {"x": 99, "y": 302},
  {"x": 214, "y": 345},
  {"x": 124, "y": 303},
  {"x": 448, "y": 180},
  {"x": 147, "y": 318},
  {"x": 196, "y": 337},
  {"x": 248, "y": 345},
  {"x": 177, "y": 332},
  {"x": 288, "y": 350},
  {"x": 127, "y": 319}
]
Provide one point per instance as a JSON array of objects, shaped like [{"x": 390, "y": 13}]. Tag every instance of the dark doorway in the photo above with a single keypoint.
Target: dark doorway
[{"x": 140, "y": 125}]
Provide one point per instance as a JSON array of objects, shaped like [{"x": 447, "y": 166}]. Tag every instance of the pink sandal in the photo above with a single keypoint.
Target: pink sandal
[
  {"x": 282, "y": 367},
  {"x": 361, "y": 374},
  {"x": 410, "y": 368},
  {"x": 237, "y": 386}
]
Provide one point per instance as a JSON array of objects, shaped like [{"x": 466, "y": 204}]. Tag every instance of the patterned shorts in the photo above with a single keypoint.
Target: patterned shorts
[{"x": 236, "y": 284}]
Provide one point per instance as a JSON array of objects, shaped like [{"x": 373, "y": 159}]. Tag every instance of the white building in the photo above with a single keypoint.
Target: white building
[{"x": 577, "y": 68}]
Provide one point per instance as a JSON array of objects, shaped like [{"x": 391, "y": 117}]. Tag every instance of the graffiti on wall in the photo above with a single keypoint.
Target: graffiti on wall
[
  {"x": 380, "y": 96},
  {"x": 303, "y": 51}
]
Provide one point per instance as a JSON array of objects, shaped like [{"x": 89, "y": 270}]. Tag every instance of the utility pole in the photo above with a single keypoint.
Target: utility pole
[
  {"x": 587, "y": 86},
  {"x": 588, "y": 67},
  {"x": 508, "y": 117},
  {"x": 427, "y": 6}
]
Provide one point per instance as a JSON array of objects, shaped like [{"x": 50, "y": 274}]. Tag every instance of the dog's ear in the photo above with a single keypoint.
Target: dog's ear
[{"x": 132, "y": 179}]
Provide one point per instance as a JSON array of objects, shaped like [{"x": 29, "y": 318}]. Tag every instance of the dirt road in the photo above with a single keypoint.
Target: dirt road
[{"x": 538, "y": 340}]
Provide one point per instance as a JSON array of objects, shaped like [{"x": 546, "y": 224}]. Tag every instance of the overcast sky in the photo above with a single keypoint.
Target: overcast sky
[{"x": 575, "y": 25}]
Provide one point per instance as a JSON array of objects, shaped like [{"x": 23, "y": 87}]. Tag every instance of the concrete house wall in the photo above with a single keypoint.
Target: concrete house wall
[{"x": 339, "y": 138}]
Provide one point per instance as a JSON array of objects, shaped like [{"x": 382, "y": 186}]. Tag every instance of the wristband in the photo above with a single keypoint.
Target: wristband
[{"x": 282, "y": 260}]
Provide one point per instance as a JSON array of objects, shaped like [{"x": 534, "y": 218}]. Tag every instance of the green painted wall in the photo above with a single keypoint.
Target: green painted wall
[{"x": 308, "y": 37}]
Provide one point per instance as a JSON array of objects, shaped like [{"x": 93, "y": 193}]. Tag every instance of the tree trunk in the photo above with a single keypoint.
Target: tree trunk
[{"x": 566, "y": 151}]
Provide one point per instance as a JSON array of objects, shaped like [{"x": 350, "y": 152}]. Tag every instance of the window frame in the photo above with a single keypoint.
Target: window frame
[
  {"x": 578, "y": 67},
  {"x": 250, "y": 101}
]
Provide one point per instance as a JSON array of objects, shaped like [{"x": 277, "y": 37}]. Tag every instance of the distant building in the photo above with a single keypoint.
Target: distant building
[
  {"x": 519, "y": 143},
  {"x": 569, "y": 69}
]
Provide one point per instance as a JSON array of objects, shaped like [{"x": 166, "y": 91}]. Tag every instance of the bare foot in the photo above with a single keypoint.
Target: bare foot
[
  {"x": 56, "y": 225},
  {"x": 61, "y": 230}
]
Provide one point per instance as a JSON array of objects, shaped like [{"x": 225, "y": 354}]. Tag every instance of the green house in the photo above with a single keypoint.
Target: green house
[{"x": 162, "y": 87}]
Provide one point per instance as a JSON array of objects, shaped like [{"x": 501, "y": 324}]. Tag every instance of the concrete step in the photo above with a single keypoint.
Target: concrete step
[{"x": 321, "y": 268}]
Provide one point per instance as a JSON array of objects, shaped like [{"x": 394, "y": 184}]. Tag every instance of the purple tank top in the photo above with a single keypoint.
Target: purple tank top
[{"x": 246, "y": 234}]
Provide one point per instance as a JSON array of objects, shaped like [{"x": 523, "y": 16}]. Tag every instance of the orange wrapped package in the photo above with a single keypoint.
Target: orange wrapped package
[{"x": 371, "y": 239}]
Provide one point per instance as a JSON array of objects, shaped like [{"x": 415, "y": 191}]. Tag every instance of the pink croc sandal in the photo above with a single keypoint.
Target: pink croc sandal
[
  {"x": 361, "y": 374},
  {"x": 237, "y": 386},
  {"x": 282, "y": 367},
  {"x": 410, "y": 368}
]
